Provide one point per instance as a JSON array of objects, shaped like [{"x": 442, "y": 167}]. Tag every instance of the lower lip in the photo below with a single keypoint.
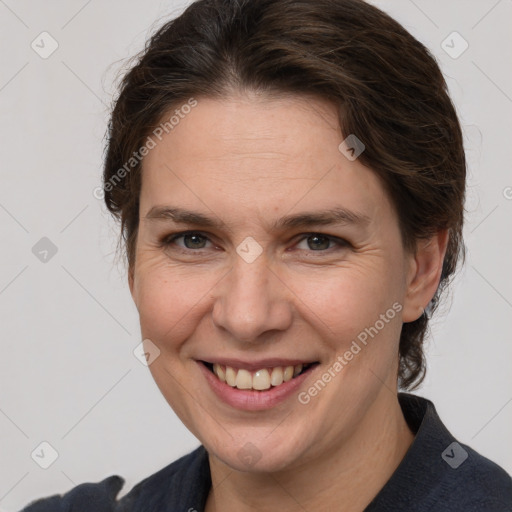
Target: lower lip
[{"x": 251, "y": 400}]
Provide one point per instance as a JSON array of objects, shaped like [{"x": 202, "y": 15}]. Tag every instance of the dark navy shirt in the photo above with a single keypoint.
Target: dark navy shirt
[{"x": 437, "y": 474}]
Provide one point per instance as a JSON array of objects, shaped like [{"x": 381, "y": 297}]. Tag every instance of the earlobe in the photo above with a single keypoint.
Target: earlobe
[{"x": 426, "y": 265}]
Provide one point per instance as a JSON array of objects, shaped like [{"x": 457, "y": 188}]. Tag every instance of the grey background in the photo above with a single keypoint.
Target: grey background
[{"x": 68, "y": 375}]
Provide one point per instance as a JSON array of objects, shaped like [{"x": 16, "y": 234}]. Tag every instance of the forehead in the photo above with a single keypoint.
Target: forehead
[{"x": 259, "y": 155}]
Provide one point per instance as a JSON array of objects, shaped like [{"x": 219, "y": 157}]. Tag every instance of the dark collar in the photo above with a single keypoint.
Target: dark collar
[{"x": 423, "y": 466}]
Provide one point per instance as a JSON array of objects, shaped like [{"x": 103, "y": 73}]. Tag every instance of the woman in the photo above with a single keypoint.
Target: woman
[{"x": 290, "y": 180}]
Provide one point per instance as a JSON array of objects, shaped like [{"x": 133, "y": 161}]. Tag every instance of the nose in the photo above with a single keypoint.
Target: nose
[{"x": 252, "y": 301}]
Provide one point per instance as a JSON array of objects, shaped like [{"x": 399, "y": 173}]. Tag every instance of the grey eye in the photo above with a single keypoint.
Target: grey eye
[
  {"x": 194, "y": 241},
  {"x": 316, "y": 242}
]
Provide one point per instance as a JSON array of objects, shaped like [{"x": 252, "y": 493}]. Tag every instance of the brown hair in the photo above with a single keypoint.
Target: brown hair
[{"x": 388, "y": 88}]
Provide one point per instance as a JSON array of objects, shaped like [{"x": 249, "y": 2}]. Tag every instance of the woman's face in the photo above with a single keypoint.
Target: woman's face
[{"x": 249, "y": 291}]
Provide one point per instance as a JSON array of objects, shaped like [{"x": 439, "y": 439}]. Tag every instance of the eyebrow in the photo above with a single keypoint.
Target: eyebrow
[{"x": 328, "y": 217}]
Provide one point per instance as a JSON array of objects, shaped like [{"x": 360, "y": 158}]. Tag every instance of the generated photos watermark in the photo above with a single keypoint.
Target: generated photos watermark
[
  {"x": 361, "y": 341},
  {"x": 352, "y": 147},
  {"x": 151, "y": 143},
  {"x": 454, "y": 455}
]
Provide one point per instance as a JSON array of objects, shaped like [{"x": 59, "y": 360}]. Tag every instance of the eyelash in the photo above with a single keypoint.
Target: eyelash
[{"x": 169, "y": 240}]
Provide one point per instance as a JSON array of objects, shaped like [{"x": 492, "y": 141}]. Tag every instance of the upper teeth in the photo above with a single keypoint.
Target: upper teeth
[{"x": 259, "y": 380}]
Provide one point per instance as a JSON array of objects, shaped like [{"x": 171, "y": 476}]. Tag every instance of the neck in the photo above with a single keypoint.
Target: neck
[{"x": 345, "y": 478}]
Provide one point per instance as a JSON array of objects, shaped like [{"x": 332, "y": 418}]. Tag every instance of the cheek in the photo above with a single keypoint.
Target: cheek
[
  {"x": 170, "y": 302},
  {"x": 344, "y": 301}
]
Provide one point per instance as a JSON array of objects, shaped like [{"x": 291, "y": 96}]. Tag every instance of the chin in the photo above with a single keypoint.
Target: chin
[{"x": 258, "y": 452}]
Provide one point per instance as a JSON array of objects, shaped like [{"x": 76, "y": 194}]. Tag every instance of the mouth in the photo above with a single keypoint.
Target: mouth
[{"x": 262, "y": 379}]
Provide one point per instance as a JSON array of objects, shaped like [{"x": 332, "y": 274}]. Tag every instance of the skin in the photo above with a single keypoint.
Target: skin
[{"x": 249, "y": 160}]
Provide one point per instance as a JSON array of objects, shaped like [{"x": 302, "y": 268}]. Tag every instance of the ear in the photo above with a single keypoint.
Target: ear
[{"x": 425, "y": 267}]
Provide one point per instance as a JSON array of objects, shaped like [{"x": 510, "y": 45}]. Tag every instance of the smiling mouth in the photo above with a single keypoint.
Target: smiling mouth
[{"x": 259, "y": 380}]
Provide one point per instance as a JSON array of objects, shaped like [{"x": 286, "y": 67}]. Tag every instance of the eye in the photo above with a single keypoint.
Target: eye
[
  {"x": 192, "y": 240},
  {"x": 320, "y": 243}
]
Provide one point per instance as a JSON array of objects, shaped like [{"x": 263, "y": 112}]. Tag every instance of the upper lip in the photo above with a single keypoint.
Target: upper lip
[{"x": 256, "y": 364}]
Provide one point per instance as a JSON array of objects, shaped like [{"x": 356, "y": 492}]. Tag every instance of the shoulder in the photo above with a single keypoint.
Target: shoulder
[
  {"x": 100, "y": 497},
  {"x": 440, "y": 473},
  {"x": 187, "y": 478},
  {"x": 477, "y": 483}
]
